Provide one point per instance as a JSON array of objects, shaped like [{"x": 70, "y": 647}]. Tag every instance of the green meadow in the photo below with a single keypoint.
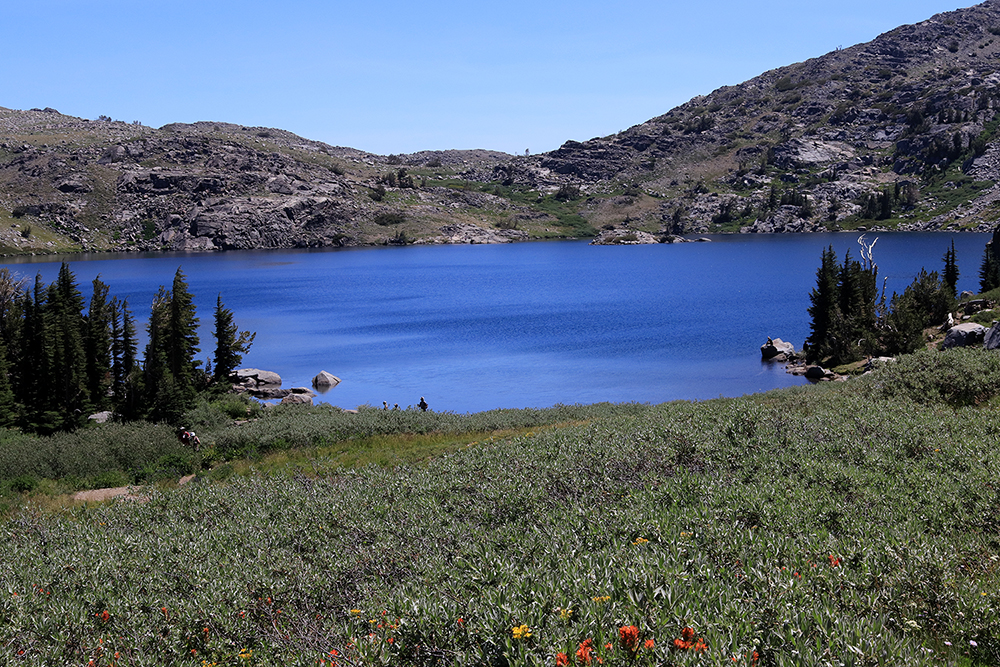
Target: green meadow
[{"x": 842, "y": 524}]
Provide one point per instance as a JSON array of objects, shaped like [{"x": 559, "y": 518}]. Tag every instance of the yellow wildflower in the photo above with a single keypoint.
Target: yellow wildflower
[{"x": 521, "y": 632}]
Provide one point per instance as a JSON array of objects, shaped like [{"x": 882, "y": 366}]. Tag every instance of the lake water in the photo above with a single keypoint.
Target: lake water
[{"x": 473, "y": 328}]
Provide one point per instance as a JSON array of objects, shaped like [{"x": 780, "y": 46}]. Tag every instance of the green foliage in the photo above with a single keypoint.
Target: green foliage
[
  {"x": 814, "y": 525},
  {"x": 957, "y": 377},
  {"x": 87, "y": 453},
  {"x": 989, "y": 270},
  {"x": 230, "y": 343},
  {"x": 849, "y": 319},
  {"x": 567, "y": 192},
  {"x": 950, "y": 274},
  {"x": 389, "y": 219}
]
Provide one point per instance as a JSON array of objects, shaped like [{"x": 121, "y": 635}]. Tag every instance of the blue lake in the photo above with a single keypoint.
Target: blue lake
[{"x": 525, "y": 325}]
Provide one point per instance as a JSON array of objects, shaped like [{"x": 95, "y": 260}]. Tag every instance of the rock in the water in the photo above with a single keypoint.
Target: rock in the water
[
  {"x": 964, "y": 335},
  {"x": 777, "y": 350},
  {"x": 262, "y": 377},
  {"x": 991, "y": 341},
  {"x": 304, "y": 391},
  {"x": 324, "y": 381},
  {"x": 269, "y": 393},
  {"x": 293, "y": 399}
]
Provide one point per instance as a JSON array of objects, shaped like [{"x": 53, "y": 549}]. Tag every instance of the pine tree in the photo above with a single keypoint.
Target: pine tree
[
  {"x": 182, "y": 337},
  {"x": 8, "y": 405},
  {"x": 989, "y": 270},
  {"x": 65, "y": 303},
  {"x": 230, "y": 343},
  {"x": 99, "y": 346},
  {"x": 123, "y": 353},
  {"x": 171, "y": 375},
  {"x": 950, "y": 274},
  {"x": 824, "y": 298}
]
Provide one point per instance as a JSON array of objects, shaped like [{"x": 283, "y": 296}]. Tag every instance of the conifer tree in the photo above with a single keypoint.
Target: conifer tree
[
  {"x": 230, "y": 343},
  {"x": 8, "y": 404},
  {"x": 824, "y": 298},
  {"x": 99, "y": 346},
  {"x": 68, "y": 371},
  {"x": 182, "y": 336},
  {"x": 989, "y": 270},
  {"x": 950, "y": 274}
]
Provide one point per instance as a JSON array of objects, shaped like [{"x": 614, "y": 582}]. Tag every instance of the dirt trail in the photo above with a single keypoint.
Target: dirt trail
[{"x": 129, "y": 492}]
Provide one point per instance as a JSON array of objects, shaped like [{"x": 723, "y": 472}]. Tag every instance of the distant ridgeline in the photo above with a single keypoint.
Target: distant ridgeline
[
  {"x": 900, "y": 133},
  {"x": 59, "y": 364},
  {"x": 851, "y": 319}
]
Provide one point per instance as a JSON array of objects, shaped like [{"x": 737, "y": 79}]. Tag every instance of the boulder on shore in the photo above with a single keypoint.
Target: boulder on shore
[
  {"x": 991, "y": 340},
  {"x": 293, "y": 399},
  {"x": 259, "y": 376},
  {"x": 964, "y": 335}
]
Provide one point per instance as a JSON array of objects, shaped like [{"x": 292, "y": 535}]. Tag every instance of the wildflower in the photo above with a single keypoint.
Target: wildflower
[
  {"x": 245, "y": 654},
  {"x": 629, "y": 635},
  {"x": 390, "y": 640},
  {"x": 687, "y": 641},
  {"x": 562, "y": 660},
  {"x": 520, "y": 632},
  {"x": 460, "y": 621},
  {"x": 834, "y": 561},
  {"x": 105, "y": 616},
  {"x": 565, "y": 614},
  {"x": 585, "y": 654},
  {"x": 649, "y": 644},
  {"x": 356, "y": 612},
  {"x": 640, "y": 540},
  {"x": 601, "y": 598}
]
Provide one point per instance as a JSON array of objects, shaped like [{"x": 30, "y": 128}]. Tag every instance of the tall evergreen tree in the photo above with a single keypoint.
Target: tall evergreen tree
[
  {"x": 171, "y": 375},
  {"x": 66, "y": 328},
  {"x": 950, "y": 274},
  {"x": 824, "y": 298},
  {"x": 230, "y": 343},
  {"x": 68, "y": 331},
  {"x": 989, "y": 270},
  {"x": 124, "y": 378},
  {"x": 8, "y": 404},
  {"x": 99, "y": 346},
  {"x": 182, "y": 336}
]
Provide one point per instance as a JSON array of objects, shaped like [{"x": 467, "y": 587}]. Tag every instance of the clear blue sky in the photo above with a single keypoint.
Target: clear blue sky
[{"x": 390, "y": 77}]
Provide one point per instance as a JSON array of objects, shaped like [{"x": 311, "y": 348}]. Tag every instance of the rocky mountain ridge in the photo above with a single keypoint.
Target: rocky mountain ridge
[{"x": 898, "y": 133}]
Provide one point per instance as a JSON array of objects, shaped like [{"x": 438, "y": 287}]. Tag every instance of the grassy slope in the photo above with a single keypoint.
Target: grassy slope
[{"x": 846, "y": 524}]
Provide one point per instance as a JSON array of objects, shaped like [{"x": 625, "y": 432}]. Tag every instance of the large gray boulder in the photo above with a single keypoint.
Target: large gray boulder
[
  {"x": 991, "y": 341},
  {"x": 261, "y": 377},
  {"x": 324, "y": 381},
  {"x": 777, "y": 350},
  {"x": 964, "y": 335},
  {"x": 294, "y": 399}
]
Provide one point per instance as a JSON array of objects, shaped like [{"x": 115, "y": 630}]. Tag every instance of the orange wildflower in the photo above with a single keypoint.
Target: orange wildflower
[
  {"x": 834, "y": 561},
  {"x": 629, "y": 635},
  {"x": 649, "y": 644},
  {"x": 687, "y": 641},
  {"x": 585, "y": 654},
  {"x": 562, "y": 660}
]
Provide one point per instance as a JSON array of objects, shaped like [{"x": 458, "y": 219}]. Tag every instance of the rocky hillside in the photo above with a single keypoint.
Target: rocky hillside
[{"x": 896, "y": 133}]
